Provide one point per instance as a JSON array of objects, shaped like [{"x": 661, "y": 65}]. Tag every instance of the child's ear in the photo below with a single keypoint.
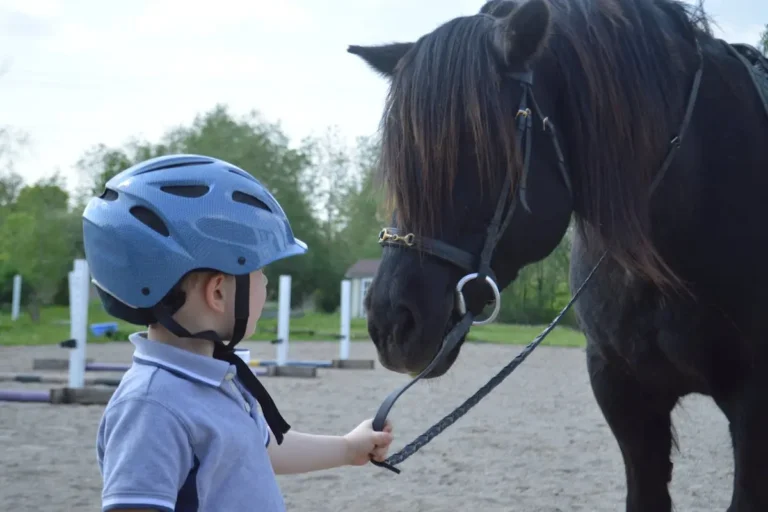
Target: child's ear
[{"x": 215, "y": 290}]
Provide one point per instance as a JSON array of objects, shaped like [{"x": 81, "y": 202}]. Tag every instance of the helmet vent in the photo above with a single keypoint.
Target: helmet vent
[
  {"x": 186, "y": 190},
  {"x": 150, "y": 219},
  {"x": 248, "y": 199},
  {"x": 162, "y": 166},
  {"x": 242, "y": 174},
  {"x": 108, "y": 195}
]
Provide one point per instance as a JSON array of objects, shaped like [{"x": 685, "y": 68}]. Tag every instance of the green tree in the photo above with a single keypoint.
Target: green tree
[
  {"x": 11, "y": 144},
  {"x": 38, "y": 239},
  {"x": 541, "y": 289},
  {"x": 10, "y": 185},
  {"x": 762, "y": 45},
  {"x": 365, "y": 216},
  {"x": 330, "y": 180},
  {"x": 100, "y": 164}
]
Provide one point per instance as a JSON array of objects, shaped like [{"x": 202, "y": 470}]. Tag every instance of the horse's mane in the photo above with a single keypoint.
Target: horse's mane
[
  {"x": 627, "y": 66},
  {"x": 450, "y": 85}
]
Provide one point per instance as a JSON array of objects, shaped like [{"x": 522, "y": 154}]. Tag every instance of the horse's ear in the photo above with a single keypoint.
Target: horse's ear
[
  {"x": 384, "y": 58},
  {"x": 498, "y": 8},
  {"x": 520, "y": 35}
]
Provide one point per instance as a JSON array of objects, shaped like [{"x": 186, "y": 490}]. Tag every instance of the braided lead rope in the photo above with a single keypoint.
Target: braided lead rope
[{"x": 468, "y": 404}]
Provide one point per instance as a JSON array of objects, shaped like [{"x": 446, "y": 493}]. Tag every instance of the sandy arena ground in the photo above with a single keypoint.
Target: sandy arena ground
[{"x": 537, "y": 443}]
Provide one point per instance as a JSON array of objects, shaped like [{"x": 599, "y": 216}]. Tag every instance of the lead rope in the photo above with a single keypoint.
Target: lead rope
[{"x": 469, "y": 403}]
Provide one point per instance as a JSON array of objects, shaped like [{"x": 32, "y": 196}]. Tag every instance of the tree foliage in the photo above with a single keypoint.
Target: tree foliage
[{"x": 39, "y": 238}]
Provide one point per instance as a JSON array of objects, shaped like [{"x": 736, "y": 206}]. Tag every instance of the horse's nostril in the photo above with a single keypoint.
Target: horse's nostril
[
  {"x": 405, "y": 319},
  {"x": 373, "y": 332},
  {"x": 405, "y": 323}
]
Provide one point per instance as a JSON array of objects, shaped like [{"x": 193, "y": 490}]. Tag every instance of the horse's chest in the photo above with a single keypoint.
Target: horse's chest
[{"x": 678, "y": 346}]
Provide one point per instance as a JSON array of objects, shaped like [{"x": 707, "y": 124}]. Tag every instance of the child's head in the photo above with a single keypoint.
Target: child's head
[
  {"x": 207, "y": 299},
  {"x": 180, "y": 241}
]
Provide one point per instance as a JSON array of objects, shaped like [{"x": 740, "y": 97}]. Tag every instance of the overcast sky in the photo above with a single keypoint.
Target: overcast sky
[{"x": 81, "y": 72}]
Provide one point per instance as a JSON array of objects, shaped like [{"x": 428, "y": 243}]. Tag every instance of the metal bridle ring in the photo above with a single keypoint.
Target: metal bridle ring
[{"x": 463, "y": 305}]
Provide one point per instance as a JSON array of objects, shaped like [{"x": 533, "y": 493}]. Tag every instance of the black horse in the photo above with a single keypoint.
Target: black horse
[{"x": 679, "y": 304}]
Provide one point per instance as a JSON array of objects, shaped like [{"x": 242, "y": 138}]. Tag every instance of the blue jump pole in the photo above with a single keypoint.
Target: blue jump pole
[
  {"x": 305, "y": 364},
  {"x": 24, "y": 395},
  {"x": 106, "y": 367}
]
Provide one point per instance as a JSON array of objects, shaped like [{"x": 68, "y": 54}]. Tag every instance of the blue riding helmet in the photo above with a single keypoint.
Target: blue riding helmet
[
  {"x": 161, "y": 219},
  {"x": 167, "y": 216}
]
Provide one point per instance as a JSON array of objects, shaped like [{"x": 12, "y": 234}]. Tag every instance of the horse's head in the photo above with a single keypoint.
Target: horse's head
[{"x": 456, "y": 106}]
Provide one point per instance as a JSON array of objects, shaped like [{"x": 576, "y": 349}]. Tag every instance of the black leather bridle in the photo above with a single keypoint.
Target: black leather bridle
[{"x": 479, "y": 267}]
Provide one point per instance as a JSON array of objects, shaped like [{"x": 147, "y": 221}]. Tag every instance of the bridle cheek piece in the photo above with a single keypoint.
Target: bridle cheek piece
[{"x": 389, "y": 236}]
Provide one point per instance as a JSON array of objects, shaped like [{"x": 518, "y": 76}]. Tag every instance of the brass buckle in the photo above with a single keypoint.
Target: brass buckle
[{"x": 386, "y": 236}]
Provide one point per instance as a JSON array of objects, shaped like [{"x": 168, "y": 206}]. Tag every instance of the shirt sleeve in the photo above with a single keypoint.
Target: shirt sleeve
[
  {"x": 261, "y": 423},
  {"x": 147, "y": 456}
]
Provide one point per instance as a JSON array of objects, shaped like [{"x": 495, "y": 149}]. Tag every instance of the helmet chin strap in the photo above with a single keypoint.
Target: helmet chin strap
[{"x": 225, "y": 352}]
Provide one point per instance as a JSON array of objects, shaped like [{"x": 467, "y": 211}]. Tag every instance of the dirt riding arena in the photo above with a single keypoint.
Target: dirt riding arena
[{"x": 538, "y": 443}]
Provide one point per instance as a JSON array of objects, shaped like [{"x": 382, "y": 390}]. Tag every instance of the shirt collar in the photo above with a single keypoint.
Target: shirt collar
[{"x": 183, "y": 363}]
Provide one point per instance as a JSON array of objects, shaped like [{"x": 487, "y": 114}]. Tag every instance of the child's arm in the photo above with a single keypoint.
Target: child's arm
[
  {"x": 147, "y": 456},
  {"x": 302, "y": 453}
]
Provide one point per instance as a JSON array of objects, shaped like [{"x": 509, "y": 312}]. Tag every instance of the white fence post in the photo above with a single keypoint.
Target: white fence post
[
  {"x": 79, "y": 285},
  {"x": 283, "y": 319},
  {"x": 346, "y": 304},
  {"x": 16, "y": 301}
]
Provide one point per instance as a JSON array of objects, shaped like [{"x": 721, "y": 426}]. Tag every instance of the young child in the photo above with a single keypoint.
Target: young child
[{"x": 178, "y": 243}]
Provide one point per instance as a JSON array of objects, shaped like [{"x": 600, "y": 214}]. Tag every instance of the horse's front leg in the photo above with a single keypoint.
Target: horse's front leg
[
  {"x": 641, "y": 422},
  {"x": 747, "y": 412}
]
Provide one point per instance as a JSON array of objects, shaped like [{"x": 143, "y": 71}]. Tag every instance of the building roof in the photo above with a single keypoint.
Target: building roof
[{"x": 363, "y": 268}]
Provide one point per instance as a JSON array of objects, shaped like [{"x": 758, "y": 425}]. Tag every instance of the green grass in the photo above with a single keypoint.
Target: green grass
[
  {"x": 54, "y": 327},
  {"x": 511, "y": 334}
]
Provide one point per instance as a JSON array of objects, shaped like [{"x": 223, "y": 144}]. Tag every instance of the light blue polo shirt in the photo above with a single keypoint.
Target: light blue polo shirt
[{"x": 181, "y": 433}]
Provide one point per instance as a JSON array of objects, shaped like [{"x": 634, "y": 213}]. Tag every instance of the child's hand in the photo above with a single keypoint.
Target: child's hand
[{"x": 364, "y": 442}]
